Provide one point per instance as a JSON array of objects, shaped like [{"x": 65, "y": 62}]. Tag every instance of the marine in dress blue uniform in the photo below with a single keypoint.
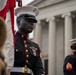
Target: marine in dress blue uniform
[
  {"x": 69, "y": 67},
  {"x": 27, "y": 53}
]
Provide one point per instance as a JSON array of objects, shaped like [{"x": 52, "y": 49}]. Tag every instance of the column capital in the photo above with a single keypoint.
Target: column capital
[
  {"x": 66, "y": 14},
  {"x": 38, "y": 22},
  {"x": 50, "y": 18}
]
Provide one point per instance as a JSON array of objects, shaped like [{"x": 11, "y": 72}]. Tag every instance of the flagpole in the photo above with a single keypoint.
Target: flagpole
[{"x": 19, "y": 3}]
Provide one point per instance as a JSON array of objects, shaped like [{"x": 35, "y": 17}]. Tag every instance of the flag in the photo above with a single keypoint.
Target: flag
[
  {"x": 8, "y": 6},
  {"x": 7, "y": 12}
]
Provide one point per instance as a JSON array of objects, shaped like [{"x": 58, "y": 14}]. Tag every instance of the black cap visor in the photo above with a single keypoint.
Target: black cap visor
[{"x": 32, "y": 18}]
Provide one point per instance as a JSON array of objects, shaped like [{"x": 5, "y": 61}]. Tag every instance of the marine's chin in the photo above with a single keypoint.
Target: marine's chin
[{"x": 29, "y": 31}]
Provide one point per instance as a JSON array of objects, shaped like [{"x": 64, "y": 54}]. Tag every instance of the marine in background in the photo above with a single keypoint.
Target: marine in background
[{"x": 69, "y": 67}]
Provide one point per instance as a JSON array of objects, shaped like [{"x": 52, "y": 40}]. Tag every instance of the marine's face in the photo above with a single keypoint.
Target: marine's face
[
  {"x": 26, "y": 25},
  {"x": 73, "y": 46}
]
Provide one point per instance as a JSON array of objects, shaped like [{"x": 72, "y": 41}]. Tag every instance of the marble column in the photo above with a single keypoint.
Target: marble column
[
  {"x": 52, "y": 47},
  {"x": 68, "y": 32},
  {"x": 37, "y": 33}
]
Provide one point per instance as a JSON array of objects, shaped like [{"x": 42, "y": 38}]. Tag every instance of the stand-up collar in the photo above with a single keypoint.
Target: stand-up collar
[
  {"x": 74, "y": 53},
  {"x": 21, "y": 35}
]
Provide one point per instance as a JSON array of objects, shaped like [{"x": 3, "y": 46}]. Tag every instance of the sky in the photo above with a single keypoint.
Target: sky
[{"x": 26, "y": 1}]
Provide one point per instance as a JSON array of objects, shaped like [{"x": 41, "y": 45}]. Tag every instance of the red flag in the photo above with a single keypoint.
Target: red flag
[
  {"x": 7, "y": 12},
  {"x": 10, "y": 4}
]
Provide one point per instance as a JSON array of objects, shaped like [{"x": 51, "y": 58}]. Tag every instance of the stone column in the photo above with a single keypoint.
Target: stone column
[
  {"x": 68, "y": 32},
  {"x": 37, "y": 33},
  {"x": 52, "y": 47}
]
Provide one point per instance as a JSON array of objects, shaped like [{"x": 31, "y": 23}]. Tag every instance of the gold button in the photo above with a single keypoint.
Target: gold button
[
  {"x": 27, "y": 56},
  {"x": 25, "y": 45},
  {"x": 27, "y": 61},
  {"x": 24, "y": 70},
  {"x": 16, "y": 50},
  {"x": 26, "y": 50},
  {"x": 24, "y": 41},
  {"x": 25, "y": 65},
  {"x": 22, "y": 36}
]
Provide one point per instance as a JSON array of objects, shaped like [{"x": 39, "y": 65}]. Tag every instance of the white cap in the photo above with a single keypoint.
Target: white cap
[
  {"x": 28, "y": 9},
  {"x": 73, "y": 41}
]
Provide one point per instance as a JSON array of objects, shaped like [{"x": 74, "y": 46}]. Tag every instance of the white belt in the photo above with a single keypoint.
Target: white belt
[{"x": 21, "y": 69}]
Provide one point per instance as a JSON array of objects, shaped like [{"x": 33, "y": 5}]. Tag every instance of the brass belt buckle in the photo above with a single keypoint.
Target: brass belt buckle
[{"x": 24, "y": 70}]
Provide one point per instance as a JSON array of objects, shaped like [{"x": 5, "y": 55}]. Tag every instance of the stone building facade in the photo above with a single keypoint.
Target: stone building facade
[{"x": 56, "y": 26}]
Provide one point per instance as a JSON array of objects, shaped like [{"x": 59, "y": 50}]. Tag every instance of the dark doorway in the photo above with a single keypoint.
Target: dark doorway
[{"x": 46, "y": 66}]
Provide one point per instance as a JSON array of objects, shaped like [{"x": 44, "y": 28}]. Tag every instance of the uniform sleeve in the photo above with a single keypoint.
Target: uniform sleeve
[
  {"x": 38, "y": 66},
  {"x": 68, "y": 66}
]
